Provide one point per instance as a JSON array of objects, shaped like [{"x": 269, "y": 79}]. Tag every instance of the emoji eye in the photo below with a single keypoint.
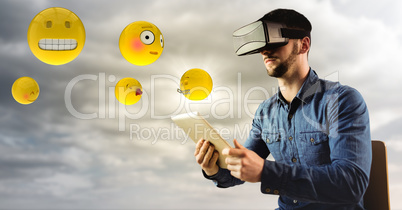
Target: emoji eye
[
  {"x": 161, "y": 40},
  {"x": 147, "y": 37},
  {"x": 48, "y": 24},
  {"x": 32, "y": 93},
  {"x": 67, "y": 24}
]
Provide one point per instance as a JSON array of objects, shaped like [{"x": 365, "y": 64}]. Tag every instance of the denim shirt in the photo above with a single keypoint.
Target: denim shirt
[{"x": 321, "y": 145}]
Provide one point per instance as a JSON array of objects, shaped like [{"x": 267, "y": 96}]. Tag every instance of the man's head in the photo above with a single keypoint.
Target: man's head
[
  {"x": 279, "y": 60},
  {"x": 291, "y": 18},
  {"x": 270, "y": 32}
]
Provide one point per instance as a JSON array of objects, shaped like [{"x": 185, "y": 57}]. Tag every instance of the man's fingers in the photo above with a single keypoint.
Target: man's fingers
[
  {"x": 235, "y": 174},
  {"x": 204, "y": 147},
  {"x": 214, "y": 158},
  {"x": 237, "y": 144},
  {"x": 233, "y": 160},
  {"x": 198, "y": 146},
  {"x": 237, "y": 151},
  {"x": 234, "y": 168},
  {"x": 233, "y": 152},
  {"x": 209, "y": 154},
  {"x": 225, "y": 151},
  {"x": 202, "y": 151}
]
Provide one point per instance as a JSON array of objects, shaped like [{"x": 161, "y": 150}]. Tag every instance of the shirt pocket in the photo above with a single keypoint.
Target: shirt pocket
[
  {"x": 315, "y": 148},
  {"x": 273, "y": 142}
]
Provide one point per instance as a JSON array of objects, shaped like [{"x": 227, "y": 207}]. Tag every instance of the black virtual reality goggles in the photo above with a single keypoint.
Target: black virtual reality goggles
[{"x": 260, "y": 35}]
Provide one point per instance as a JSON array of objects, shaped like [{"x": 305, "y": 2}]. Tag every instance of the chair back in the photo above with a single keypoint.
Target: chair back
[{"x": 377, "y": 193}]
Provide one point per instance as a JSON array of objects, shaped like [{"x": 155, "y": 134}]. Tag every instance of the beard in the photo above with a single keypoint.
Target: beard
[{"x": 283, "y": 67}]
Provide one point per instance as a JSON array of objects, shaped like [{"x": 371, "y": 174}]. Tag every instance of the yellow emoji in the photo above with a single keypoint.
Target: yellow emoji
[
  {"x": 25, "y": 90},
  {"x": 141, "y": 43},
  {"x": 195, "y": 84},
  {"x": 128, "y": 91},
  {"x": 56, "y": 36}
]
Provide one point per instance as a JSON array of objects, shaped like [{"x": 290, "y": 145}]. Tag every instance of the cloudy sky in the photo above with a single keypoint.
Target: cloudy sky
[{"x": 76, "y": 147}]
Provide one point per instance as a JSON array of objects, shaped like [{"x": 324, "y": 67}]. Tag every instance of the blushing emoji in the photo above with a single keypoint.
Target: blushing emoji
[
  {"x": 25, "y": 90},
  {"x": 141, "y": 43},
  {"x": 128, "y": 91},
  {"x": 195, "y": 84},
  {"x": 56, "y": 36}
]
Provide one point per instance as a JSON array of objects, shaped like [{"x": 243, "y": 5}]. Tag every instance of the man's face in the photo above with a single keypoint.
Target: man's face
[{"x": 279, "y": 60}]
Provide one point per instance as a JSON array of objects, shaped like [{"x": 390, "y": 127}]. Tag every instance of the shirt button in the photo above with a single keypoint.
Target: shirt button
[
  {"x": 312, "y": 140},
  {"x": 290, "y": 138},
  {"x": 268, "y": 190},
  {"x": 267, "y": 140},
  {"x": 294, "y": 160},
  {"x": 276, "y": 192},
  {"x": 294, "y": 201},
  {"x": 290, "y": 116}
]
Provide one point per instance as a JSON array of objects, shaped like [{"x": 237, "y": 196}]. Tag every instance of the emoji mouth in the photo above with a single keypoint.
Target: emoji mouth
[
  {"x": 153, "y": 52},
  {"x": 57, "y": 44}
]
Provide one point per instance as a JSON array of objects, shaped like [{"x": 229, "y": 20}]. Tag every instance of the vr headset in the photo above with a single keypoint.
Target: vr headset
[{"x": 260, "y": 35}]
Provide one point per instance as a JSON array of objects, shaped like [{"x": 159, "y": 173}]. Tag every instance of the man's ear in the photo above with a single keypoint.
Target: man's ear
[{"x": 305, "y": 45}]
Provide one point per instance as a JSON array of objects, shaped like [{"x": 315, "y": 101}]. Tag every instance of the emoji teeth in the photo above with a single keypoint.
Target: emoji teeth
[{"x": 57, "y": 44}]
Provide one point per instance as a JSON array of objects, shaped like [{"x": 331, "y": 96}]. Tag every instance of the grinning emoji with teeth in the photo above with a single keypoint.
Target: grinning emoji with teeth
[
  {"x": 141, "y": 43},
  {"x": 56, "y": 36}
]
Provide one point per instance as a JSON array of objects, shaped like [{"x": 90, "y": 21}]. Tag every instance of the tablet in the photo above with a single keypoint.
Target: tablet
[{"x": 197, "y": 127}]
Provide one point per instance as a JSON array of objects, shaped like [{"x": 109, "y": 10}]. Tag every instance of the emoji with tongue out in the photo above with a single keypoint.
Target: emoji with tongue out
[
  {"x": 141, "y": 43},
  {"x": 56, "y": 36},
  {"x": 128, "y": 91}
]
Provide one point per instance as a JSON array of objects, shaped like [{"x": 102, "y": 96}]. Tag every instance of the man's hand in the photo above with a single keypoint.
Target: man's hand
[
  {"x": 244, "y": 164},
  {"x": 206, "y": 156}
]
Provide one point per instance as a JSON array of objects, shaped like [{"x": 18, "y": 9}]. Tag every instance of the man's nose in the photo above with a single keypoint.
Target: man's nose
[
  {"x": 266, "y": 52},
  {"x": 269, "y": 50}
]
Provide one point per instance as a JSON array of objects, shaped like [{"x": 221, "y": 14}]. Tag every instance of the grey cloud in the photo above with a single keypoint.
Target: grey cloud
[
  {"x": 45, "y": 143},
  {"x": 13, "y": 23}
]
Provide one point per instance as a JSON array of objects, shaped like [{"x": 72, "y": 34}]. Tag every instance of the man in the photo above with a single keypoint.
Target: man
[{"x": 317, "y": 131}]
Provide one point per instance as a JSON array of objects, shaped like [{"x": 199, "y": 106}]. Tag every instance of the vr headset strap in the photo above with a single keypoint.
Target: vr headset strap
[{"x": 294, "y": 33}]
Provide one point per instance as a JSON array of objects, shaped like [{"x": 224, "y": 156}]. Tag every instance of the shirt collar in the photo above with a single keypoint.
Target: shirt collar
[
  {"x": 306, "y": 89},
  {"x": 280, "y": 98}
]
